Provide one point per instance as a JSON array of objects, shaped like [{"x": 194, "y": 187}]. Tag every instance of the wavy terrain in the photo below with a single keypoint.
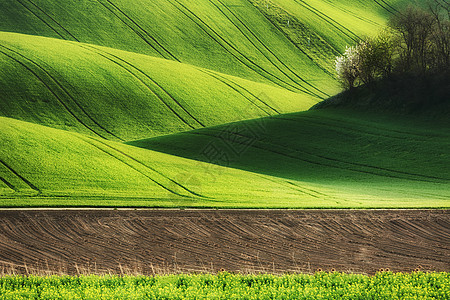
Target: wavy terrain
[
  {"x": 362, "y": 153},
  {"x": 61, "y": 168},
  {"x": 81, "y": 79},
  {"x": 239, "y": 37},
  {"x": 122, "y": 95}
]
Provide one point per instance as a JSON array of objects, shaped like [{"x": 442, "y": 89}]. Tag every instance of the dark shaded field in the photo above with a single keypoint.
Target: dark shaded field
[{"x": 173, "y": 241}]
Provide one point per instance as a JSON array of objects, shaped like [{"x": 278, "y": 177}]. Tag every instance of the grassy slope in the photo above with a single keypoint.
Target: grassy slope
[
  {"x": 342, "y": 22},
  {"x": 123, "y": 95},
  {"x": 61, "y": 168},
  {"x": 105, "y": 92},
  {"x": 234, "y": 38},
  {"x": 368, "y": 155}
]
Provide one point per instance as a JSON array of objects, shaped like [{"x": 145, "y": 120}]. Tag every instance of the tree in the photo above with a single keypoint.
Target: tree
[
  {"x": 417, "y": 42},
  {"x": 440, "y": 37},
  {"x": 347, "y": 67},
  {"x": 375, "y": 57},
  {"x": 415, "y": 26}
]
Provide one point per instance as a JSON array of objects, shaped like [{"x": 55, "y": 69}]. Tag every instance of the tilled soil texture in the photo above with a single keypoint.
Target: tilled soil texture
[{"x": 247, "y": 241}]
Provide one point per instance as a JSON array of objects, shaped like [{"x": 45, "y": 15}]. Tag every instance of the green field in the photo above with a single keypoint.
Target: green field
[
  {"x": 385, "y": 285},
  {"x": 267, "y": 163},
  {"x": 201, "y": 104},
  {"x": 120, "y": 95}
]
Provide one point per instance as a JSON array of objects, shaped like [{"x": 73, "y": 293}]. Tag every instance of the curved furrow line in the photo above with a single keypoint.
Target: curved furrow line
[
  {"x": 404, "y": 249},
  {"x": 296, "y": 44},
  {"x": 349, "y": 12},
  {"x": 267, "y": 49},
  {"x": 146, "y": 33},
  {"x": 298, "y": 188},
  {"x": 230, "y": 85},
  {"x": 313, "y": 191},
  {"x": 53, "y": 20},
  {"x": 387, "y": 4},
  {"x": 41, "y": 19},
  {"x": 32, "y": 186},
  {"x": 164, "y": 91},
  {"x": 303, "y": 191},
  {"x": 329, "y": 20},
  {"x": 8, "y": 184},
  {"x": 150, "y": 168},
  {"x": 60, "y": 92},
  {"x": 133, "y": 167},
  {"x": 152, "y": 90},
  {"x": 405, "y": 227},
  {"x": 137, "y": 29},
  {"x": 424, "y": 178},
  {"x": 51, "y": 91},
  {"x": 231, "y": 82},
  {"x": 383, "y": 6},
  {"x": 295, "y": 241},
  {"x": 228, "y": 47}
]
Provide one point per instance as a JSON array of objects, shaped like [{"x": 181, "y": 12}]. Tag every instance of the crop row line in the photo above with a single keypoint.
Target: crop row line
[
  {"x": 417, "y": 136},
  {"x": 55, "y": 88},
  {"x": 330, "y": 21},
  {"x": 153, "y": 86},
  {"x": 238, "y": 88},
  {"x": 263, "y": 146},
  {"x": 8, "y": 184},
  {"x": 43, "y": 15},
  {"x": 154, "y": 171},
  {"x": 258, "y": 40},
  {"x": 27, "y": 182},
  {"x": 296, "y": 45},
  {"x": 349, "y": 12},
  {"x": 137, "y": 29},
  {"x": 341, "y": 127},
  {"x": 386, "y": 6},
  {"x": 233, "y": 51}
]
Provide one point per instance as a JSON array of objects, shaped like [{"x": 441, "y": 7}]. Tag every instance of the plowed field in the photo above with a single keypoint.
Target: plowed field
[{"x": 173, "y": 241}]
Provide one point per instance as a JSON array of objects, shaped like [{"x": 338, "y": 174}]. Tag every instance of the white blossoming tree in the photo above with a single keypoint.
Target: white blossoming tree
[{"x": 347, "y": 67}]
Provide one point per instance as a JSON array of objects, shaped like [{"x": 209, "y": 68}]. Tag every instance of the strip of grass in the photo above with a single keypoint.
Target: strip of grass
[{"x": 385, "y": 285}]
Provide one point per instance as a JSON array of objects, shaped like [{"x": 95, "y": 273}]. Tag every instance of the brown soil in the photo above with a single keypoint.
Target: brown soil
[{"x": 248, "y": 241}]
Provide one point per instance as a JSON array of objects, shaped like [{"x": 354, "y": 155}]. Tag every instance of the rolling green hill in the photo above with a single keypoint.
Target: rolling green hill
[
  {"x": 209, "y": 83},
  {"x": 249, "y": 39},
  {"x": 60, "y": 168},
  {"x": 234, "y": 39},
  {"x": 280, "y": 55},
  {"x": 346, "y": 149},
  {"x": 123, "y": 95}
]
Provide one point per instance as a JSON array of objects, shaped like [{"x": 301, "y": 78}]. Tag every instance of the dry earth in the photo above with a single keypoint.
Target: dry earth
[{"x": 172, "y": 241}]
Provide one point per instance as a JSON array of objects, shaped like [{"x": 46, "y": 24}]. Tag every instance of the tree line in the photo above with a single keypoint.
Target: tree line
[{"x": 416, "y": 41}]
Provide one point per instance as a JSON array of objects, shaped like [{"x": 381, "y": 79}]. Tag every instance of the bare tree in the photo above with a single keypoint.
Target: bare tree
[
  {"x": 440, "y": 10},
  {"x": 415, "y": 26}
]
